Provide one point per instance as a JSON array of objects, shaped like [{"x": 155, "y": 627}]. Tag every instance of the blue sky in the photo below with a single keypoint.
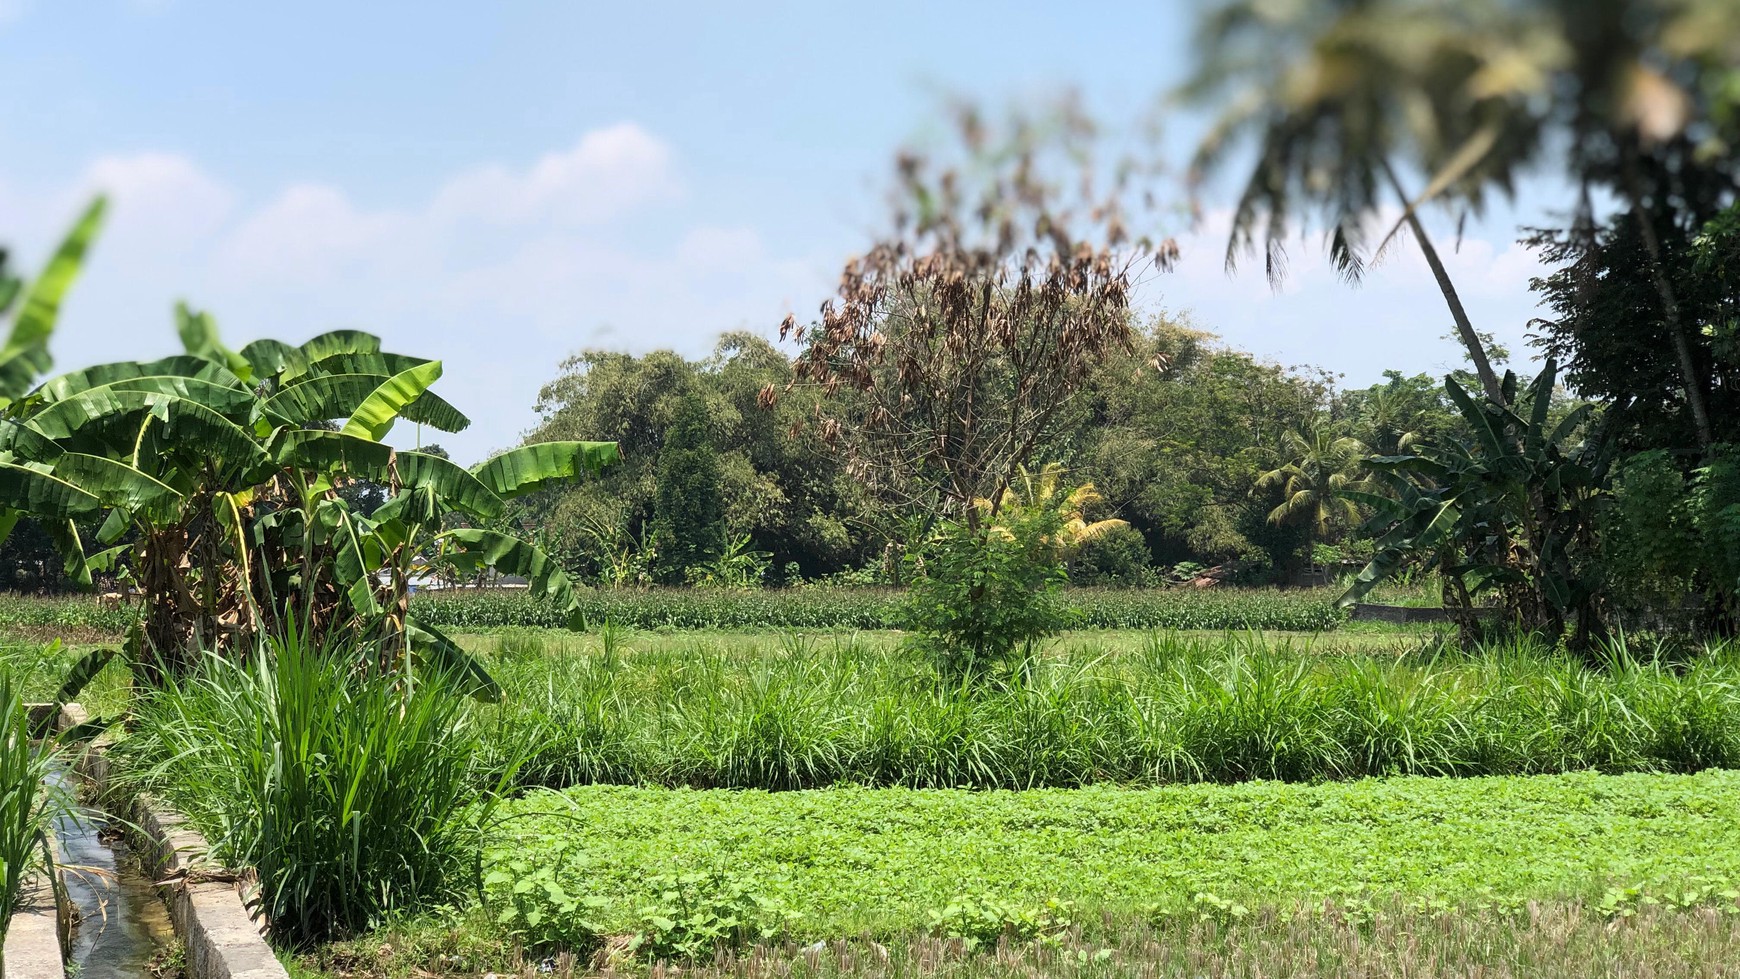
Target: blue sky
[{"x": 500, "y": 185}]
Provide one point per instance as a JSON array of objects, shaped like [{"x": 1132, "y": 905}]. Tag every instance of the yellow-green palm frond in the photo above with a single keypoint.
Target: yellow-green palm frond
[{"x": 1079, "y": 500}]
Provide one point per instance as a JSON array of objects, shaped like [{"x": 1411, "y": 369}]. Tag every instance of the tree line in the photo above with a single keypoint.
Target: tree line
[{"x": 1217, "y": 458}]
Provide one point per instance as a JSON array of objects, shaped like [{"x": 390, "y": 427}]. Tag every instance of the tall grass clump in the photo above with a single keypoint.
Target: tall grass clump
[
  {"x": 806, "y": 713},
  {"x": 28, "y": 806},
  {"x": 354, "y": 794}
]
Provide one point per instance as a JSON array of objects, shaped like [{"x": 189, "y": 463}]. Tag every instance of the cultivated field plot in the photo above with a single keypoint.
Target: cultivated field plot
[{"x": 734, "y": 798}]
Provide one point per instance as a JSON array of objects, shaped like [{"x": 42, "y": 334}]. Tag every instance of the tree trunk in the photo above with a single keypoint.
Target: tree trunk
[
  {"x": 1464, "y": 328},
  {"x": 1670, "y": 304}
]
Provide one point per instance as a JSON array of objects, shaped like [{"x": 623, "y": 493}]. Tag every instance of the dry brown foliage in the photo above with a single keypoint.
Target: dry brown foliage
[{"x": 955, "y": 345}]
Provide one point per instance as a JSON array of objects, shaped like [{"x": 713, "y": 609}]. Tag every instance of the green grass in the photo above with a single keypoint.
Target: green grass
[
  {"x": 802, "y": 712},
  {"x": 879, "y": 860},
  {"x": 28, "y": 807}
]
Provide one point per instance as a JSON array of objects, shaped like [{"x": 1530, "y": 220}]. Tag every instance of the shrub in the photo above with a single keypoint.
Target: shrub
[
  {"x": 980, "y": 921},
  {"x": 352, "y": 795},
  {"x": 982, "y": 595},
  {"x": 692, "y": 914},
  {"x": 537, "y": 908}
]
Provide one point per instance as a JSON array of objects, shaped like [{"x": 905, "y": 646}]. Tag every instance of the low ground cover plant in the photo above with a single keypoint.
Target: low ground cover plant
[
  {"x": 890, "y": 861},
  {"x": 800, "y": 713}
]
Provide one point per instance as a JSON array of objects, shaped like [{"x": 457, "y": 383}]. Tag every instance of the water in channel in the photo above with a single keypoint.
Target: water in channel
[{"x": 121, "y": 923}]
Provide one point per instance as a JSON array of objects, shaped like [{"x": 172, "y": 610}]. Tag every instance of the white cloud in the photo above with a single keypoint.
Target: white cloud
[
  {"x": 307, "y": 237},
  {"x": 1395, "y": 317},
  {"x": 607, "y": 173},
  {"x": 160, "y": 202},
  {"x": 501, "y": 272}
]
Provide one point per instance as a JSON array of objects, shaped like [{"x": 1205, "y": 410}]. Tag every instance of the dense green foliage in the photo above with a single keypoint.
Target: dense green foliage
[
  {"x": 804, "y": 713},
  {"x": 883, "y": 859},
  {"x": 982, "y": 596},
  {"x": 1670, "y": 534},
  {"x": 779, "y": 483},
  {"x": 688, "y": 510},
  {"x": 826, "y": 608},
  {"x": 1511, "y": 512},
  {"x": 351, "y": 795},
  {"x": 1608, "y": 325},
  {"x": 1177, "y": 451}
]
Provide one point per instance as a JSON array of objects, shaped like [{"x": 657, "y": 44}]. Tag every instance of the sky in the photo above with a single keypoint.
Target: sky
[{"x": 500, "y": 186}]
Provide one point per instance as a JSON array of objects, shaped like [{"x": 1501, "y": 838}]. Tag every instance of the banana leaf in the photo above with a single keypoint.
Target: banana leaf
[
  {"x": 43, "y": 494},
  {"x": 321, "y": 397},
  {"x": 433, "y": 648},
  {"x": 25, "y": 357},
  {"x": 332, "y": 454},
  {"x": 509, "y": 555},
  {"x": 452, "y": 483},
  {"x": 115, "y": 483},
  {"x": 532, "y": 467},
  {"x": 376, "y": 415},
  {"x": 113, "y": 417},
  {"x": 181, "y": 365}
]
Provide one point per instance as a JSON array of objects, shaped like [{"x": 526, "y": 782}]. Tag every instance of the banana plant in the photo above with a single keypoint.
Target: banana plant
[
  {"x": 220, "y": 470},
  {"x": 1512, "y": 513},
  {"x": 24, "y": 357}
]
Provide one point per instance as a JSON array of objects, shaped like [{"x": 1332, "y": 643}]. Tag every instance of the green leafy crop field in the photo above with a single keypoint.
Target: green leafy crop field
[
  {"x": 851, "y": 860},
  {"x": 870, "y": 608}
]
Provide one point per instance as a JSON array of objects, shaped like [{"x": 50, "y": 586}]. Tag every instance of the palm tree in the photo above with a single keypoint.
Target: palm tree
[
  {"x": 1388, "y": 421},
  {"x": 1324, "y": 467},
  {"x": 1338, "y": 94},
  {"x": 1041, "y": 492}
]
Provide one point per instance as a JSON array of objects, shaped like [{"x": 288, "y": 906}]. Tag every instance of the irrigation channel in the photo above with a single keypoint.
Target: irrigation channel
[{"x": 120, "y": 923}]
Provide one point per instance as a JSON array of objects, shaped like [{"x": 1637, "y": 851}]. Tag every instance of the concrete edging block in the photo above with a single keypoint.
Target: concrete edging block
[{"x": 34, "y": 948}]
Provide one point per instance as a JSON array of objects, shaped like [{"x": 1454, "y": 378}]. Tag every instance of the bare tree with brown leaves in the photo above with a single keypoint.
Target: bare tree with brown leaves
[{"x": 956, "y": 346}]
